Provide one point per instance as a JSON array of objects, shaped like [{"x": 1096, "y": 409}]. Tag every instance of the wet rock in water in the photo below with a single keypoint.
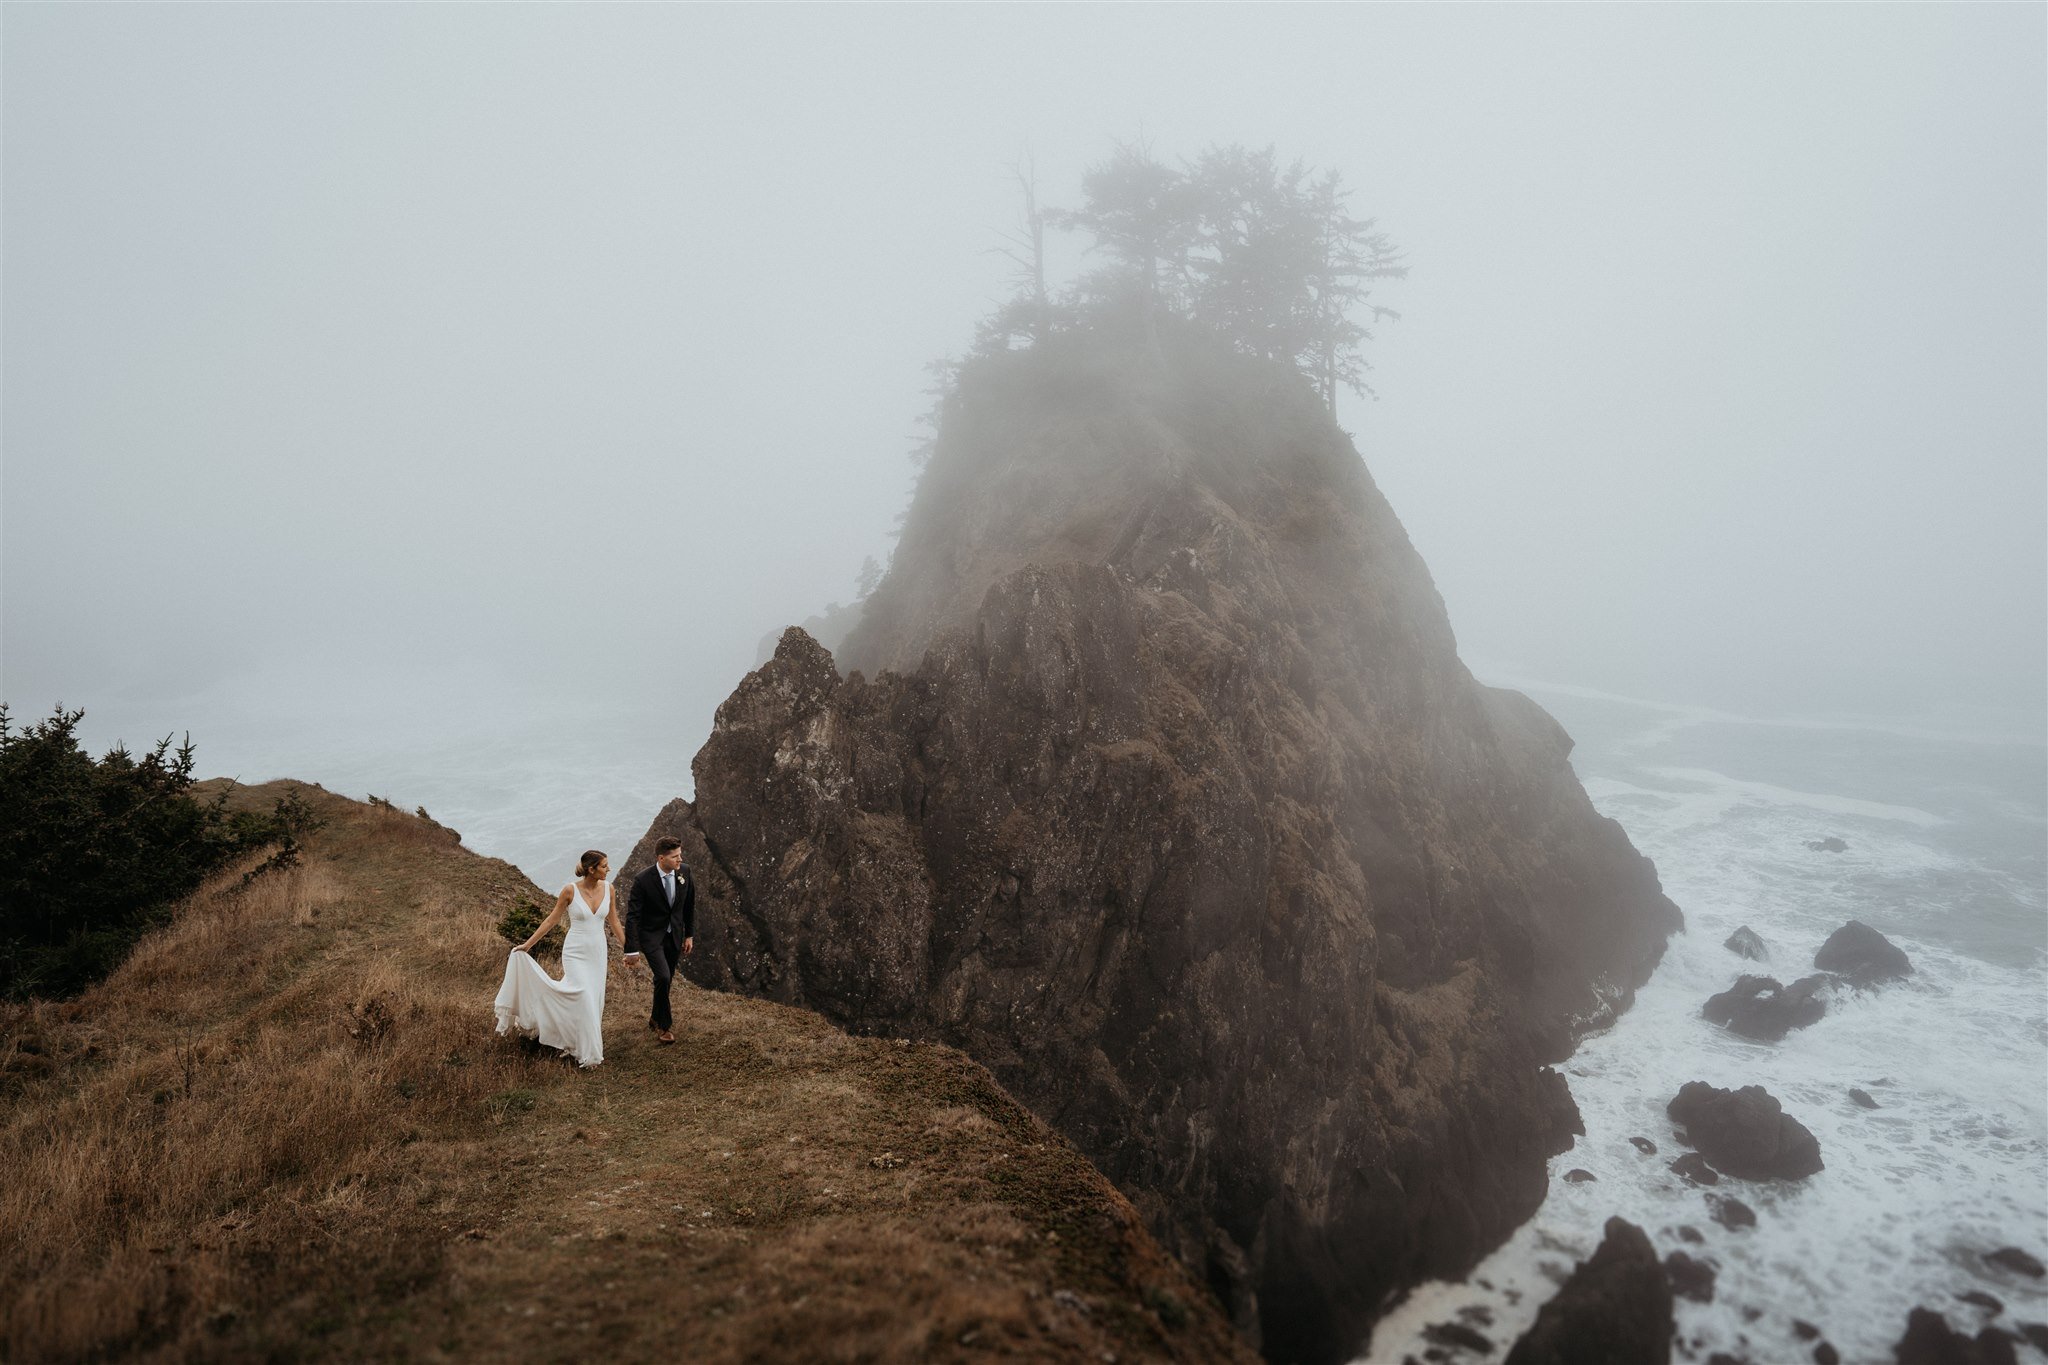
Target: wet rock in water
[
  {"x": 1690, "y": 1279},
  {"x": 1831, "y": 844},
  {"x": 1744, "y": 1133},
  {"x": 1616, "y": 1306},
  {"x": 1579, "y": 1176},
  {"x": 1459, "y": 1335},
  {"x": 1804, "y": 1330},
  {"x": 1745, "y": 943},
  {"x": 1477, "y": 1312},
  {"x": 1730, "y": 1212},
  {"x": 1929, "y": 1340},
  {"x": 1862, "y": 954},
  {"x": 1862, "y": 1097},
  {"x": 1694, "y": 1167},
  {"x": 1723, "y": 1358},
  {"x": 1981, "y": 1300},
  {"x": 1688, "y": 1233},
  {"x": 2015, "y": 1260},
  {"x": 1644, "y": 1145},
  {"x": 2037, "y": 1334},
  {"x": 1826, "y": 1354},
  {"x": 1758, "y": 1007}
]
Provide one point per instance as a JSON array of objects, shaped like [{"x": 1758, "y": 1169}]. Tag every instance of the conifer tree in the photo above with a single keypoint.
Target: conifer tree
[
  {"x": 1348, "y": 256},
  {"x": 1141, "y": 211}
]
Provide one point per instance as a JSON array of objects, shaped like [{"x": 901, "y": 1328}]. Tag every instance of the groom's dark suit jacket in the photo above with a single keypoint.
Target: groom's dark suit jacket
[{"x": 647, "y": 907}]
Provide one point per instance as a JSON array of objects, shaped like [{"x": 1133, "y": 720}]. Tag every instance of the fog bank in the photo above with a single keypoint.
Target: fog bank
[{"x": 366, "y": 363}]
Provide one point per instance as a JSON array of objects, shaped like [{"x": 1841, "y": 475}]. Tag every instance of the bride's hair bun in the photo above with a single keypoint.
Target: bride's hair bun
[{"x": 587, "y": 865}]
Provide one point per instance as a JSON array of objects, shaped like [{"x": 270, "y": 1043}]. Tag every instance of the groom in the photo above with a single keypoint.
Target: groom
[{"x": 661, "y": 910}]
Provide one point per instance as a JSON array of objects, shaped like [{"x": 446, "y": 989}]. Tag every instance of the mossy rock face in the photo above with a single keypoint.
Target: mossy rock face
[{"x": 1157, "y": 786}]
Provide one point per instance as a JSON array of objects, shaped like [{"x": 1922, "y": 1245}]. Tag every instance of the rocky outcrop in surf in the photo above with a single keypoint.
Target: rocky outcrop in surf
[
  {"x": 1929, "y": 1340},
  {"x": 1616, "y": 1306},
  {"x": 1159, "y": 788},
  {"x": 1862, "y": 954},
  {"x": 1745, "y": 1133},
  {"x": 1759, "y": 1007}
]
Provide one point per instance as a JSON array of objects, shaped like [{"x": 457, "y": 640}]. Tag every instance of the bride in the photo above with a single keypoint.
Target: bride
[{"x": 567, "y": 1014}]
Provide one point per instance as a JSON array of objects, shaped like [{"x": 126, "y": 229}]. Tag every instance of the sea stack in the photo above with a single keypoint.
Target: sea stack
[{"x": 1156, "y": 784}]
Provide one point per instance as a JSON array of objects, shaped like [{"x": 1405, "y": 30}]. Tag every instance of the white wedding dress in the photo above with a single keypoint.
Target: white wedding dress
[{"x": 568, "y": 1014}]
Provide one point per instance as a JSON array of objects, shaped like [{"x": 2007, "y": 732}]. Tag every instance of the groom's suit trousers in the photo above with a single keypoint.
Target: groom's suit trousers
[{"x": 658, "y": 948}]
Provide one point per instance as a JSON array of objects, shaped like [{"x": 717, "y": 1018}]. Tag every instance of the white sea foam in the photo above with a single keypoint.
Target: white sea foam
[
  {"x": 1952, "y": 1164},
  {"x": 1998, "y": 728},
  {"x": 1768, "y": 794}
]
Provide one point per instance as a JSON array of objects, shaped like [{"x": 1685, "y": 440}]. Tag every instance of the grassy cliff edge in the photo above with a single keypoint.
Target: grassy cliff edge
[{"x": 284, "y": 1129}]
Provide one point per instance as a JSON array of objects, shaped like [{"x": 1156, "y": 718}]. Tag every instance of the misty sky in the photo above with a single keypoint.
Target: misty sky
[{"x": 358, "y": 357}]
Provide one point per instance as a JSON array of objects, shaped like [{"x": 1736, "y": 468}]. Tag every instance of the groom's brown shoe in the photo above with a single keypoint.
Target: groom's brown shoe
[{"x": 664, "y": 1037}]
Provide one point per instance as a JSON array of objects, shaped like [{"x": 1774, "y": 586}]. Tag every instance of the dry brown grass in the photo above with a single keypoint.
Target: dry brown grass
[
  {"x": 284, "y": 1130},
  {"x": 229, "y": 1116}
]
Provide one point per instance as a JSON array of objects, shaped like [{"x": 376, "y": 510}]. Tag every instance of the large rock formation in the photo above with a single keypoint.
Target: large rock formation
[{"x": 1160, "y": 789}]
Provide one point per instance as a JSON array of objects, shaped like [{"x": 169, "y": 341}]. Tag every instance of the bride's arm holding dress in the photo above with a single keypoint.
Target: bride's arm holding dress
[{"x": 554, "y": 918}]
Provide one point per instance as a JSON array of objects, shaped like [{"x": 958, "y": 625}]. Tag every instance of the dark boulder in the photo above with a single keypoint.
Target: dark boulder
[
  {"x": 1758, "y": 1007},
  {"x": 1615, "y": 1307},
  {"x": 1579, "y": 1176},
  {"x": 1744, "y": 943},
  {"x": 1688, "y": 1233},
  {"x": 1831, "y": 844},
  {"x": 2017, "y": 1261},
  {"x": 1862, "y": 954},
  {"x": 1744, "y": 1133},
  {"x": 1862, "y": 1098},
  {"x": 1694, "y": 1167},
  {"x": 1826, "y": 1354},
  {"x": 2036, "y": 1334},
  {"x": 1730, "y": 1212},
  {"x": 1982, "y": 1300},
  {"x": 1690, "y": 1279},
  {"x": 1929, "y": 1340},
  {"x": 1644, "y": 1145},
  {"x": 1805, "y": 1330}
]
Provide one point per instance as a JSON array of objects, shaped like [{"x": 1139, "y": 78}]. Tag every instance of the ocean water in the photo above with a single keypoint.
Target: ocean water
[
  {"x": 531, "y": 777},
  {"x": 1946, "y": 839}
]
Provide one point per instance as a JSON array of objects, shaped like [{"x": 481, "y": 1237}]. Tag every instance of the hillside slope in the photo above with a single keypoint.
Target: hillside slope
[{"x": 284, "y": 1130}]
